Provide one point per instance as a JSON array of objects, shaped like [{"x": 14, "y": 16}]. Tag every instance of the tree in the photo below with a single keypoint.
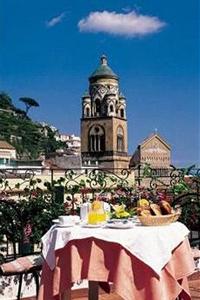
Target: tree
[
  {"x": 5, "y": 101},
  {"x": 20, "y": 112},
  {"x": 29, "y": 102}
]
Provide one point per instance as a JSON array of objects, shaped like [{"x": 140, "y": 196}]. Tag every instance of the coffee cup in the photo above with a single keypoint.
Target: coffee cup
[
  {"x": 66, "y": 220},
  {"x": 75, "y": 219}
]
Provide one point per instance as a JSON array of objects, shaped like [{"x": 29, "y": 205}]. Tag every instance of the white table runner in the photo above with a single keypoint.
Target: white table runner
[{"x": 152, "y": 245}]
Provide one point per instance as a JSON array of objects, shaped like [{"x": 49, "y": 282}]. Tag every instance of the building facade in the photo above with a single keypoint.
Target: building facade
[
  {"x": 104, "y": 140},
  {"x": 7, "y": 154},
  {"x": 153, "y": 151},
  {"x": 72, "y": 141}
]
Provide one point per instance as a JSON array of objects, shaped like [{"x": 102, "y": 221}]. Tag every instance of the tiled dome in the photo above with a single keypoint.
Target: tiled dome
[{"x": 103, "y": 70}]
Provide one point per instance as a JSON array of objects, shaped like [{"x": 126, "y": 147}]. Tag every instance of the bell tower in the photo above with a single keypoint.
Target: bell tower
[{"x": 103, "y": 122}]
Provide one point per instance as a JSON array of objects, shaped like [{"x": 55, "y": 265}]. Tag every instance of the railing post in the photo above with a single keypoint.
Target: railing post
[
  {"x": 52, "y": 177},
  {"x": 25, "y": 248},
  {"x": 139, "y": 173},
  {"x": 58, "y": 194}
]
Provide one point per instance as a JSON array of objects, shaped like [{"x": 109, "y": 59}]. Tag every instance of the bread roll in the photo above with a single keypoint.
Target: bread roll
[
  {"x": 145, "y": 212},
  {"x": 165, "y": 207},
  {"x": 141, "y": 209},
  {"x": 155, "y": 208}
]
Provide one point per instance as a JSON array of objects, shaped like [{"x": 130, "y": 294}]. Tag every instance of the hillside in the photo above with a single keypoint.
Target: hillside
[{"x": 28, "y": 137}]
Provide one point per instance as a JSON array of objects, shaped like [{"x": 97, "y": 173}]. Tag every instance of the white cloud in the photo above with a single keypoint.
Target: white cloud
[
  {"x": 55, "y": 20},
  {"x": 130, "y": 24}
]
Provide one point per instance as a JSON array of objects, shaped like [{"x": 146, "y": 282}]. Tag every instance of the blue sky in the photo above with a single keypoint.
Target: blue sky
[{"x": 49, "y": 48}]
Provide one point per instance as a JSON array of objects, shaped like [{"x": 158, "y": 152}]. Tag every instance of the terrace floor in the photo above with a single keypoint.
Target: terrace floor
[{"x": 194, "y": 284}]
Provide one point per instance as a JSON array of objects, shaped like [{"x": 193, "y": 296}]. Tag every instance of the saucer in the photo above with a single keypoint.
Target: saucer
[
  {"x": 122, "y": 220},
  {"x": 134, "y": 220},
  {"x": 91, "y": 225},
  {"x": 55, "y": 221},
  {"x": 119, "y": 225},
  {"x": 65, "y": 225}
]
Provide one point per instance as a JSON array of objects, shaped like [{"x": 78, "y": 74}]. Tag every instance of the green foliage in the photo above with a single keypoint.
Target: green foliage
[
  {"x": 5, "y": 101},
  {"x": 39, "y": 211},
  {"x": 147, "y": 171},
  {"x": 180, "y": 187},
  {"x": 190, "y": 212},
  {"x": 35, "y": 212},
  {"x": 9, "y": 221},
  {"x": 30, "y": 138},
  {"x": 48, "y": 143},
  {"x": 73, "y": 189}
]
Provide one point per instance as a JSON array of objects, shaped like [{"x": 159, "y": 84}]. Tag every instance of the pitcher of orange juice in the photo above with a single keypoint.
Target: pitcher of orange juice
[{"x": 96, "y": 213}]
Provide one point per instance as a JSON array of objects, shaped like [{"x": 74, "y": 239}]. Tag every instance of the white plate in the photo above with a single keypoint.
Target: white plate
[
  {"x": 118, "y": 220},
  {"x": 91, "y": 225},
  {"x": 65, "y": 225},
  {"x": 134, "y": 220},
  {"x": 120, "y": 225},
  {"x": 55, "y": 221}
]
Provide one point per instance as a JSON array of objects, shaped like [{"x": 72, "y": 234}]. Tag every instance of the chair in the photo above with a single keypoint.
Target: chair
[
  {"x": 20, "y": 261},
  {"x": 30, "y": 264},
  {"x": 196, "y": 253}
]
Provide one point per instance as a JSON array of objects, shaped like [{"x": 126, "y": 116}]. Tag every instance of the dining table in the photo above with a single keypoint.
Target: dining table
[{"x": 140, "y": 262}]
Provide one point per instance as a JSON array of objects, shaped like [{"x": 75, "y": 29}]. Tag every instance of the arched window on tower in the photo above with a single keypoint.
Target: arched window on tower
[
  {"x": 111, "y": 108},
  {"x": 106, "y": 110},
  {"x": 122, "y": 113},
  {"x": 87, "y": 112},
  {"x": 96, "y": 139},
  {"x": 120, "y": 139},
  {"x": 98, "y": 107}
]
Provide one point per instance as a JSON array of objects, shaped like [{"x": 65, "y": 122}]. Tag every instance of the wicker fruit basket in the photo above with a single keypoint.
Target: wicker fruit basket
[{"x": 159, "y": 220}]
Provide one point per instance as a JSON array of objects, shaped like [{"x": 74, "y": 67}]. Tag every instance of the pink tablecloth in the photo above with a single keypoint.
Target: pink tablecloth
[{"x": 98, "y": 260}]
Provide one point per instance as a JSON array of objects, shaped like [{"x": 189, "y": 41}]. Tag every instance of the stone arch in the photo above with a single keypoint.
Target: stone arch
[
  {"x": 87, "y": 111},
  {"x": 122, "y": 112},
  {"x": 97, "y": 107},
  {"x": 120, "y": 139},
  {"x": 111, "y": 108},
  {"x": 96, "y": 139}
]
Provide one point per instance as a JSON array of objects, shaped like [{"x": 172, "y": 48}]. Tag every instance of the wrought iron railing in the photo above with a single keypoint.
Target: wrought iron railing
[
  {"x": 16, "y": 181},
  {"x": 181, "y": 183},
  {"x": 166, "y": 177}
]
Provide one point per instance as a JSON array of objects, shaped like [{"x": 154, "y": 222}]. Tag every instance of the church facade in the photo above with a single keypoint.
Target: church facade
[
  {"x": 104, "y": 141},
  {"x": 155, "y": 151}
]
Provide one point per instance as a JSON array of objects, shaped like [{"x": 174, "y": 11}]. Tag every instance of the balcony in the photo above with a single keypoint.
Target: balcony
[{"x": 42, "y": 196}]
